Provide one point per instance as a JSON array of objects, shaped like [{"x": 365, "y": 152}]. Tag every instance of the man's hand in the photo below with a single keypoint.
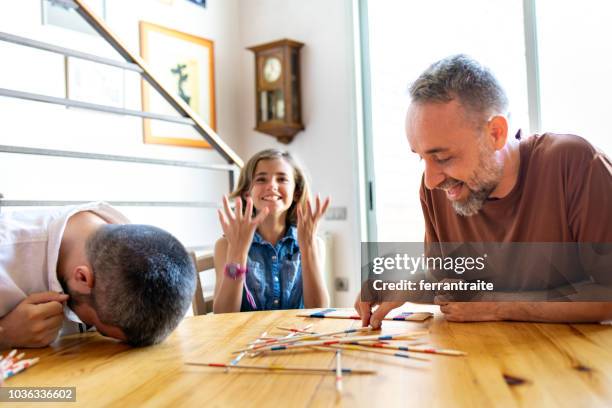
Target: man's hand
[
  {"x": 35, "y": 322},
  {"x": 469, "y": 311},
  {"x": 364, "y": 309}
]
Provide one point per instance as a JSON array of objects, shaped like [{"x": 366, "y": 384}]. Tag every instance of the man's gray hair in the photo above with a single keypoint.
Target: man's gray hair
[
  {"x": 144, "y": 280},
  {"x": 460, "y": 77}
]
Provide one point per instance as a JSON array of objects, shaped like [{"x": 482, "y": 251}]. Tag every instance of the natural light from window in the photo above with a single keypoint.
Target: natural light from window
[
  {"x": 405, "y": 37},
  {"x": 576, "y": 68}
]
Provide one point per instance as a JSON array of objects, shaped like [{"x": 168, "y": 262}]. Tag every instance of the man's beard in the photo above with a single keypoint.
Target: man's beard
[{"x": 485, "y": 179}]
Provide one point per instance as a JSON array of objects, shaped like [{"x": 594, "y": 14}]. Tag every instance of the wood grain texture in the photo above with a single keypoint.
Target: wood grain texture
[{"x": 561, "y": 365}]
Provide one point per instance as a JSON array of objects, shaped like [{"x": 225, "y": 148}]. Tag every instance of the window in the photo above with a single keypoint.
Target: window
[
  {"x": 575, "y": 63},
  {"x": 404, "y": 38}
]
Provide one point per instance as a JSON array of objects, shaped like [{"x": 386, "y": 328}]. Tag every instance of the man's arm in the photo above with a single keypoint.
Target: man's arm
[
  {"x": 569, "y": 312},
  {"x": 35, "y": 322},
  {"x": 551, "y": 312}
]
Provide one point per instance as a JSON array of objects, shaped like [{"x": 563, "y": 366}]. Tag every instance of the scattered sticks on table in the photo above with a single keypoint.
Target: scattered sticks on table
[
  {"x": 326, "y": 342},
  {"x": 295, "y": 339},
  {"x": 13, "y": 364},
  {"x": 363, "y": 339}
]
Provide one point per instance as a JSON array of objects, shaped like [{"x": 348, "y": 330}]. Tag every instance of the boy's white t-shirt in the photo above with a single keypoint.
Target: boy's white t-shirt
[{"x": 29, "y": 248}]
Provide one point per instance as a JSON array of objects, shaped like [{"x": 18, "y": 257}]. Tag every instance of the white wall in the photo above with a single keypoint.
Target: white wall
[
  {"x": 49, "y": 126},
  {"x": 327, "y": 147}
]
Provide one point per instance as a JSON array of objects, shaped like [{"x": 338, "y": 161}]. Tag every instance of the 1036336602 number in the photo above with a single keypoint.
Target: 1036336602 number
[{"x": 38, "y": 394}]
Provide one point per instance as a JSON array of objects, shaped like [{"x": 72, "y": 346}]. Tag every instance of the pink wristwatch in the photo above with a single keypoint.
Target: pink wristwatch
[{"x": 234, "y": 270}]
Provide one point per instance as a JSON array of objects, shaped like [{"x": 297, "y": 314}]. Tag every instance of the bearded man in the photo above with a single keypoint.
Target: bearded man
[{"x": 482, "y": 185}]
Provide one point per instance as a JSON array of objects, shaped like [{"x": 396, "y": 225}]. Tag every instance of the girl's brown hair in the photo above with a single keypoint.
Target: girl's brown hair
[{"x": 245, "y": 180}]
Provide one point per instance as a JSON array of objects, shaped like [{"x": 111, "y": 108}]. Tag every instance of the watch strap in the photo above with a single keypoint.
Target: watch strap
[{"x": 234, "y": 270}]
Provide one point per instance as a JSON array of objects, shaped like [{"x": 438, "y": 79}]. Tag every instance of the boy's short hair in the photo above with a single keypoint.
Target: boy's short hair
[{"x": 144, "y": 280}]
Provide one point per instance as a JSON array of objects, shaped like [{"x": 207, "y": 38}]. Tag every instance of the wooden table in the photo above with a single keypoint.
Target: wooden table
[{"x": 563, "y": 365}]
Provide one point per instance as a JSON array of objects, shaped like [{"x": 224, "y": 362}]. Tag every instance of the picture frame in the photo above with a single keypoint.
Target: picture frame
[
  {"x": 184, "y": 64},
  {"x": 88, "y": 81},
  {"x": 201, "y": 3},
  {"x": 58, "y": 14}
]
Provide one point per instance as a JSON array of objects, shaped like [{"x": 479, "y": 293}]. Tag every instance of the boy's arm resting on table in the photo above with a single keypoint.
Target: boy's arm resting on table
[
  {"x": 228, "y": 292},
  {"x": 315, "y": 291},
  {"x": 35, "y": 322}
]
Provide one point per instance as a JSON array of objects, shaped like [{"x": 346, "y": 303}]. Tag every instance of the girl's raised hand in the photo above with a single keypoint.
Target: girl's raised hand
[
  {"x": 308, "y": 220},
  {"x": 238, "y": 226}
]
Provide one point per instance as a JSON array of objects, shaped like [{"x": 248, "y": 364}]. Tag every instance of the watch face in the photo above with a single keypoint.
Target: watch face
[
  {"x": 272, "y": 69},
  {"x": 232, "y": 270}
]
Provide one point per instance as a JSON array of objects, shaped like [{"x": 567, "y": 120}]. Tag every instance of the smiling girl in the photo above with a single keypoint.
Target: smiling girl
[{"x": 269, "y": 256}]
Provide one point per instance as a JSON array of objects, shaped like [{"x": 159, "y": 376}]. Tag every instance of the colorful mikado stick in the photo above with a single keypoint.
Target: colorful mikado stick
[
  {"x": 284, "y": 368},
  {"x": 293, "y": 333},
  {"x": 6, "y": 363},
  {"x": 370, "y": 350},
  {"x": 305, "y": 335},
  {"x": 19, "y": 367},
  {"x": 8, "y": 360},
  {"x": 414, "y": 349},
  {"x": 310, "y": 337},
  {"x": 342, "y": 340},
  {"x": 308, "y": 326},
  {"x": 25, "y": 363},
  {"x": 338, "y": 371},
  {"x": 239, "y": 356},
  {"x": 290, "y": 329}
]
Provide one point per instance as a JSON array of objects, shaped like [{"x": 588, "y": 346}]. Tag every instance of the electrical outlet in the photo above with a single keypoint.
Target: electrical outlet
[{"x": 341, "y": 284}]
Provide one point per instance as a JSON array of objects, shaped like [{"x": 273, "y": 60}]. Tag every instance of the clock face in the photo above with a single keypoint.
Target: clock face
[{"x": 272, "y": 69}]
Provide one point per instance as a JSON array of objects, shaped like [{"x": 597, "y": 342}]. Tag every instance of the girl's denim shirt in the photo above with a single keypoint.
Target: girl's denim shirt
[{"x": 274, "y": 276}]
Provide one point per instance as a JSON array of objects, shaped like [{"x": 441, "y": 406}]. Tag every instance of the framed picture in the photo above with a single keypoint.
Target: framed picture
[
  {"x": 199, "y": 2},
  {"x": 88, "y": 81},
  {"x": 184, "y": 64},
  {"x": 59, "y": 14}
]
